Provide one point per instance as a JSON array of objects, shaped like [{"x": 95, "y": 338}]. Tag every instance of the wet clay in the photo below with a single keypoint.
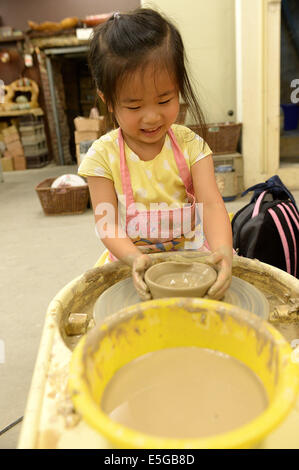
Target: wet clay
[
  {"x": 180, "y": 280},
  {"x": 184, "y": 392}
]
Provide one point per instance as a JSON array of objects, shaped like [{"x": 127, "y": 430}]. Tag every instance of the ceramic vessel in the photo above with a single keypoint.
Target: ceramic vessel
[{"x": 172, "y": 279}]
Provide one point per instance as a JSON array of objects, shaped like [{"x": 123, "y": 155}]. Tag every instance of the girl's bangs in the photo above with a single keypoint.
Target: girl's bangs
[{"x": 127, "y": 71}]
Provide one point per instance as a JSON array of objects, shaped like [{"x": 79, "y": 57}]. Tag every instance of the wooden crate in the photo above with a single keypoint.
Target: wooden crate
[
  {"x": 34, "y": 150},
  {"x": 37, "y": 161},
  {"x": 236, "y": 160}
]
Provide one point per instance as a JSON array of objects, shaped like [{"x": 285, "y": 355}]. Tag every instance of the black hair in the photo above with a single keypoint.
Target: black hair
[{"x": 128, "y": 41}]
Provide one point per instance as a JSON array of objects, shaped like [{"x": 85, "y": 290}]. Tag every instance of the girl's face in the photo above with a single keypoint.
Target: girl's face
[{"x": 147, "y": 105}]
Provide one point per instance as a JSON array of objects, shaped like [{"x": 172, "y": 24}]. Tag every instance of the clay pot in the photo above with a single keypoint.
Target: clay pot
[{"x": 172, "y": 279}]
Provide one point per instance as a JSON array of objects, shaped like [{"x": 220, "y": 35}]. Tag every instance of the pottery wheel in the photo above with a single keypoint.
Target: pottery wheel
[{"x": 123, "y": 294}]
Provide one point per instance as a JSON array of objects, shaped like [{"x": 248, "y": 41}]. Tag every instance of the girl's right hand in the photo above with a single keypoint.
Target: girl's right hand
[
  {"x": 140, "y": 265},
  {"x": 221, "y": 260}
]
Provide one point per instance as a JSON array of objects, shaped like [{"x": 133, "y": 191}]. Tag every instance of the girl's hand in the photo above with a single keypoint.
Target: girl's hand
[
  {"x": 140, "y": 265},
  {"x": 222, "y": 261}
]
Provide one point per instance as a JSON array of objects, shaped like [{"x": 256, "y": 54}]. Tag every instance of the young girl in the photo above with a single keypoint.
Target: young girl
[{"x": 138, "y": 64}]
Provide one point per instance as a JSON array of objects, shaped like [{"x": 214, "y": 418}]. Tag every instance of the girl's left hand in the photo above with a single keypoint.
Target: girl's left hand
[
  {"x": 222, "y": 262},
  {"x": 140, "y": 265}
]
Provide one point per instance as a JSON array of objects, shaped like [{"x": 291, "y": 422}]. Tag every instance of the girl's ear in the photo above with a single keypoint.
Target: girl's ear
[{"x": 100, "y": 94}]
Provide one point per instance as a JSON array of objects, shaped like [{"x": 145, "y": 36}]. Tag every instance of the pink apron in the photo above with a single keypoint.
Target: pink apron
[{"x": 159, "y": 230}]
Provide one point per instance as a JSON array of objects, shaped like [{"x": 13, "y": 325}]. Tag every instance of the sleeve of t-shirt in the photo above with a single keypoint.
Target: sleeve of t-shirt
[
  {"x": 196, "y": 147},
  {"x": 96, "y": 162}
]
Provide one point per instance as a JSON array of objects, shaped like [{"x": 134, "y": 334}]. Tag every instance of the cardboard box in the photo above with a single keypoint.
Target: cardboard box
[
  {"x": 80, "y": 136},
  {"x": 11, "y": 138},
  {"x": 236, "y": 161},
  {"x": 7, "y": 163},
  {"x": 83, "y": 124},
  {"x": 20, "y": 163},
  {"x": 7, "y": 154},
  {"x": 16, "y": 148},
  {"x": 9, "y": 130}
]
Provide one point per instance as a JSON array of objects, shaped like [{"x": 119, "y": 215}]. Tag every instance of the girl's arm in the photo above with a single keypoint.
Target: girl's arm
[
  {"x": 105, "y": 207},
  {"x": 216, "y": 223}
]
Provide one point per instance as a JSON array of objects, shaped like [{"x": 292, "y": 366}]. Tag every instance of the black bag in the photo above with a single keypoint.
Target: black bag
[{"x": 268, "y": 227}]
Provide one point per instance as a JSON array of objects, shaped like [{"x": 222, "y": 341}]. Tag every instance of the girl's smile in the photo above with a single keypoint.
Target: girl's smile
[
  {"x": 148, "y": 104},
  {"x": 152, "y": 132}
]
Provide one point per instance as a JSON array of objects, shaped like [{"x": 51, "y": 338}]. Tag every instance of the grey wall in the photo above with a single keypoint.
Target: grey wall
[{"x": 15, "y": 13}]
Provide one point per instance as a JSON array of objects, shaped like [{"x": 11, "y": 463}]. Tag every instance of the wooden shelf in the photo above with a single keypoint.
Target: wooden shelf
[
  {"x": 12, "y": 38},
  {"x": 21, "y": 112}
]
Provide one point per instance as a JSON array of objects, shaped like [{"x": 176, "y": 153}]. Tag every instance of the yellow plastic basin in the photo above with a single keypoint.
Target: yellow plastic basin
[{"x": 181, "y": 322}]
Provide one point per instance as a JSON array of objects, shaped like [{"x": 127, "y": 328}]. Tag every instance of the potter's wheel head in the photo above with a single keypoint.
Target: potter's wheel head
[
  {"x": 245, "y": 295},
  {"x": 123, "y": 294}
]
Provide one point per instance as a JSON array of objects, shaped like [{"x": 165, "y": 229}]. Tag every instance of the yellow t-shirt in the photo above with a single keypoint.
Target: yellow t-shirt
[{"x": 152, "y": 181}]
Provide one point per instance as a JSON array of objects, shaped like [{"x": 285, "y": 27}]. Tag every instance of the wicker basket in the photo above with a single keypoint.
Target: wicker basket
[
  {"x": 222, "y": 137},
  {"x": 71, "y": 200}
]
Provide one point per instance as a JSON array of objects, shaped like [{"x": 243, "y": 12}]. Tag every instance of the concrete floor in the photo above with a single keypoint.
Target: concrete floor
[{"x": 39, "y": 255}]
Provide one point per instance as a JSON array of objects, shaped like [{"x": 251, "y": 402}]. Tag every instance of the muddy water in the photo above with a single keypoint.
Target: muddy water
[{"x": 184, "y": 393}]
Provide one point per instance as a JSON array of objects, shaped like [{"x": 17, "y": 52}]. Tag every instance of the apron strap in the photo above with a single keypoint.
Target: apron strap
[
  {"x": 124, "y": 172},
  {"x": 181, "y": 163}
]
